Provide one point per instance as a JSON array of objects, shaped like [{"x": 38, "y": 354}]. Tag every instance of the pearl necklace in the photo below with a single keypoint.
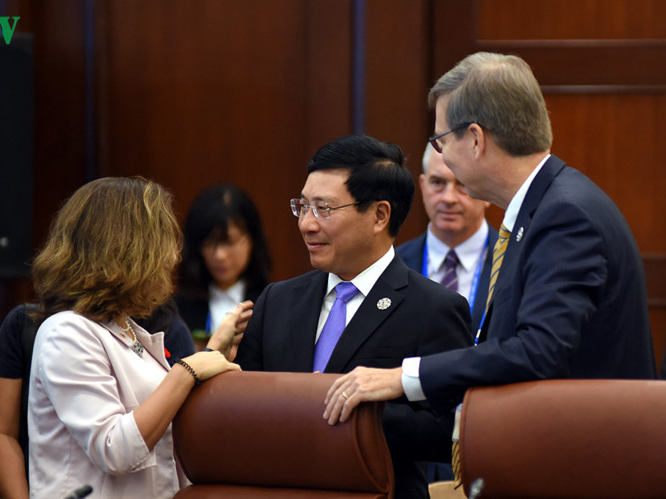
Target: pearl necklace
[{"x": 137, "y": 347}]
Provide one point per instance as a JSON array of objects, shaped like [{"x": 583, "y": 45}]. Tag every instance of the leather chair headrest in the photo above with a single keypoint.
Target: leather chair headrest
[
  {"x": 566, "y": 439},
  {"x": 264, "y": 429}
]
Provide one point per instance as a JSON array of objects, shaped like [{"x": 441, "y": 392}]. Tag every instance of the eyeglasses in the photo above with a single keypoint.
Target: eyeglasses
[
  {"x": 320, "y": 209},
  {"x": 435, "y": 138}
]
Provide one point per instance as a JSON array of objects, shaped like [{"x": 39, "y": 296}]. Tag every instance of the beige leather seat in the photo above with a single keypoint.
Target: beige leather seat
[{"x": 445, "y": 490}]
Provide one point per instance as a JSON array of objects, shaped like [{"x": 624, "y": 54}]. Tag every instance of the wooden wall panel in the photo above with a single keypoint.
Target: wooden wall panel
[
  {"x": 60, "y": 107},
  {"x": 240, "y": 92},
  {"x": 329, "y": 45},
  {"x": 571, "y": 19},
  {"x": 398, "y": 39},
  {"x": 59, "y": 120},
  {"x": 616, "y": 140}
]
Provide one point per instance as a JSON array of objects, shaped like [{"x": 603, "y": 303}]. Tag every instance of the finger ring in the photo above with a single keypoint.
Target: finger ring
[{"x": 344, "y": 395}]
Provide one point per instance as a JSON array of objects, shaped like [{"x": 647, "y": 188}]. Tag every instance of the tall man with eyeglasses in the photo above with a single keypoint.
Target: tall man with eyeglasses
[
  {"x": 568, "y": 298},
  {"x": 355, "y": 198}
]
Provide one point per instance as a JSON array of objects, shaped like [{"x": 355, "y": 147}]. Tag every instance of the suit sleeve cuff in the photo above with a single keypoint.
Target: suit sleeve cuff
[{"x": 411, "y": 383}]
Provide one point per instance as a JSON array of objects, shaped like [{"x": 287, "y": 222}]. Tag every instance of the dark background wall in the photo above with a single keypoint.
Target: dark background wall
[{"x": 245, "y": 91}]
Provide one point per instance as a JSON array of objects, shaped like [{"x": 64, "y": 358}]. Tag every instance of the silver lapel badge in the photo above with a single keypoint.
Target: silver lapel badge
[
  {"x": 384, "y": 303},
  {"x": 519, "y": 236}
]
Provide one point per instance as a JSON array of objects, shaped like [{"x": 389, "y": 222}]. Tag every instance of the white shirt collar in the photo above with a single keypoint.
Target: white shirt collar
[
  {"x": 235, "y": 293},
  {"x": 467, "y": 251},
  {"x": 511, "y": 213},
  {"x": 366, "y": 279}
]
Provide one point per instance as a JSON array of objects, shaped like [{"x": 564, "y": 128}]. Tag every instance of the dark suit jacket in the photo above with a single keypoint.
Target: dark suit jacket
[
  {"x": 411, "y": 253},
  {"x": 423, "y": 318},
  {"x": 570, "y": 300}
]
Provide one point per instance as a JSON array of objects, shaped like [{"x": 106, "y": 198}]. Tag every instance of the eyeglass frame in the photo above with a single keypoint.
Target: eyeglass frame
[
  {"x": 315, "y": 211},
  {"x": 433, "y": 140}
]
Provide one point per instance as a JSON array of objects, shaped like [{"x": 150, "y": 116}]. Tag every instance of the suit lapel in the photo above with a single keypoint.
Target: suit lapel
[
  {"x": 414, "y": 258},
  {"x": 371, "y": 314},
  {"x": 305, "y": 307},
  {"x": 532, "y": 199}
]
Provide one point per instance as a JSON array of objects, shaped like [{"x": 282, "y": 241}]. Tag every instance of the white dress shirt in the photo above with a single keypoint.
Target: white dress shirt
[
  {"x": 85, "y": 383},
  {"x": 364, "y": 282},
  {"x": 411, "y": 382},
  {"x": 221, "y": 301}
]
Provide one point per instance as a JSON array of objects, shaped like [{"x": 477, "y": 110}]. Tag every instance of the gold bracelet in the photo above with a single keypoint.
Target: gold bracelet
[{"x": 190, "y": 370}]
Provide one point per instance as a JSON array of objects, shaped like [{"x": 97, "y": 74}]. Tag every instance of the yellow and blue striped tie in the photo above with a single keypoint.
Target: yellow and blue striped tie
[{"x": 498, "y": 257}]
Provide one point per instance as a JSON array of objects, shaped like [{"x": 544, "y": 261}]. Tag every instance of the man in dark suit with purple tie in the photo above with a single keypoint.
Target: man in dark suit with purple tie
[
  {"x": 356, "y": 196},
  {"x": 568, "y": 295}
]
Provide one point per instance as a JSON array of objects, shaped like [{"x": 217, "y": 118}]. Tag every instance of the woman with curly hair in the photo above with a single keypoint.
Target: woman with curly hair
[{"x": 102, "y": 395}]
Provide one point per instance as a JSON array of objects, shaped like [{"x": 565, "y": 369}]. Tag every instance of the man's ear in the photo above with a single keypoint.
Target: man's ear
[
  {"x": 382, "y": 215},
  {"x": 480, "y": 138}
]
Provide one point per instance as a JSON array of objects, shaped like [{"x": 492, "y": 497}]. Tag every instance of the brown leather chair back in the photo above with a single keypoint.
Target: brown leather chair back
[
  {"x": 261, "y": 434},
  {"x": 566, "y": 439}
]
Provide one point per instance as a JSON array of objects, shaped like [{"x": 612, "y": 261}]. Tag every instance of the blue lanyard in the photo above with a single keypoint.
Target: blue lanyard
[
  {"x": 477, "y": 271},
  {"x": 483, "y": 317},
  {"x": 478, "y": 332}
]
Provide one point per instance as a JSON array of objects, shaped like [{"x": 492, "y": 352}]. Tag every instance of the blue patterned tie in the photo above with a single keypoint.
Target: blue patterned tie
[
  {"x": 335, "y": 325},
  {"x": 450, "y": 279}
]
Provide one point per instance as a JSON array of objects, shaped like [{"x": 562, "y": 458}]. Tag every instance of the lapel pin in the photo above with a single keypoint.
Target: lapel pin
[
  {"x": 384, "y": 303},
  {"x": 519, "y": 236}
]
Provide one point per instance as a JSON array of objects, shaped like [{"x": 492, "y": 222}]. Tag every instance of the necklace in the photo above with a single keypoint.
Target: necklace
[{"x": 137, "y": 347}]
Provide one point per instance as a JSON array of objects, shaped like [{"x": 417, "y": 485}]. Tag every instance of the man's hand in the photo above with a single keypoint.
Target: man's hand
[{"x": 363, "y": 384}]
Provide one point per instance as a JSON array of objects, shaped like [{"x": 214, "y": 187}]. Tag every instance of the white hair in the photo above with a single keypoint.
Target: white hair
[{"x": 429, "y": 150}]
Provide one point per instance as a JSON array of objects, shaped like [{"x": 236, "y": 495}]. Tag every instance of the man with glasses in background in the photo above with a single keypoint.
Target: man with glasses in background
[{"x": 362, "y": 305}]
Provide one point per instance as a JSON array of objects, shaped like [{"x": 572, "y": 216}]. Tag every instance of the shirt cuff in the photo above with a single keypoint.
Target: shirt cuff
[{"x": 411, "y": 383}]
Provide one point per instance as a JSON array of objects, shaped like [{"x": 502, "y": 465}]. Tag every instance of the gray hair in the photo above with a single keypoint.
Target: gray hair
[
  {"x": 500, "y": 93},
  {"x": 427, "y": 154}
]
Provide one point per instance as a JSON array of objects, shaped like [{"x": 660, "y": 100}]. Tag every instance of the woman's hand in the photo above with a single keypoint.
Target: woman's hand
[
  {"x": 155, "y": 414},
  {"x": 229, "y": 334},
  {"x": 208, "y": 364}
]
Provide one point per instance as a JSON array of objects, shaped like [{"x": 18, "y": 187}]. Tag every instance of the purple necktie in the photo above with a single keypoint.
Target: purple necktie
[
  {"x": 450, "y": 279},
  {"x": 335, "y": 325}
]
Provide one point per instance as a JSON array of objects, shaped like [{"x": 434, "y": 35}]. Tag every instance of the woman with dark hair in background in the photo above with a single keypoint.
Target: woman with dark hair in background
[{"x": 225, "y": 258}]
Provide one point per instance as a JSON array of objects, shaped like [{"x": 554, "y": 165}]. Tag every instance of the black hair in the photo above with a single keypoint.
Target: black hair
[
  {"x": 209, "y": 217},
  {"x": 377, "y": 173}
]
